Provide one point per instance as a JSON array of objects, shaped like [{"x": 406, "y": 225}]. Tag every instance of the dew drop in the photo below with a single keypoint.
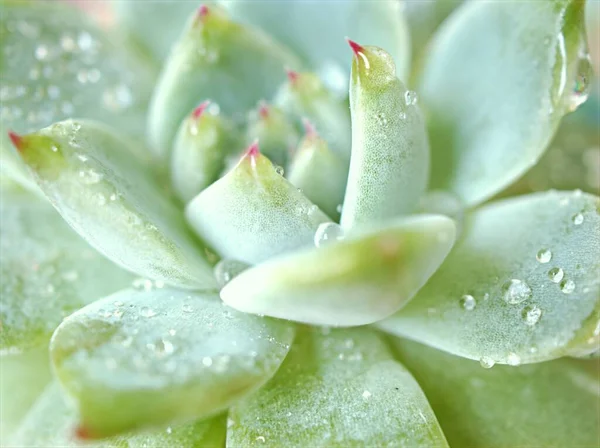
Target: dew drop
[
  {"x": 339, "y": 208},
  {"x": 544, "y": 256},
  {"x": 410, "y": 98},
  {"x": 556, "y": 275},
  {"x": 186, "y": 308},
  {"x": 468, "y": 302},
  {"x": 41, "y": 52},
  {"x": 147, "y": 312},
  {"x": 279, "y": 170},
  {"x": 226, "y": 270},
  {"x": 327, "y": 233},
  {"x": 582, "y": 86},
  {"x": 567, "y": 286},
  {"x": 577, "y": 219},
  {"x": 531, "y": 315},
  {"x": 366, "y": 394},
  {"x": 516, "y": 291},
  {"x": 513, "y": 359},
  {"x": 261, "y": 439},
  {"x": 486, "y": 362}
]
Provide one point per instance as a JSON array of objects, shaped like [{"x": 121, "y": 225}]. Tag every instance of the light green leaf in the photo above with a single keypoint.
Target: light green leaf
[
  {"x": 22, "y": 377},
  {"x": 390, "y": 151},
  {"x": 47, "y": 271},
  {"x": 319, "y": 173},
  {"x": 353, "y": 282},
  {"x": 52, "y": 421},
  {"x": 548, "y": 404},
  {"x": 253, "y": 213},
  {"x": 499, "y": 77},
  {"x": 149, "y": 358},
  {"x": 520, "y": 286},
  {"x": 316, "y": 31},
  {"x": 215, "y": 58},
  {"x": 199, "y": 151},
  {"x": 110, "y": 198},
  {"x": 56, "y": 64},
  {"x": 337, "y": 388}
]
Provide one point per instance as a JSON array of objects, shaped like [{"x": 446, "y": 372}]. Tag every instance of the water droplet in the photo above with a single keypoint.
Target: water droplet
[
  {"x": 85, "y": 41},
  {"x": 556, "y": 275},
  {"x": 339, "y": 208},
  {"x": 513, "y": 359},
  {"x": 187, "y": 308},
  {"x": 516, "y": 291},
  {"x": 577, "y": 219},
  {"x": 567, "y": 286},
  {"x": 279, "y": 170},
  {"x": 486, "y": 362},
  {"x": 169, "y": 430},
  {"x": 410, "y": 98},
  {"x": 582, "y": 86},
  {"x": 327, "y": 233},
  {"x": 260, "y": 439},
  {"x": 207, "y": 361},
  {"x": 147, "y": 312},
  {"x": 468, "y": 302},
  {"x": 381, "y": 119},
  {"x": 366, "y": 394},
  {"x": 226, "y": 270},
  {"x": 41, "y": 52},
  {"x": 531, "y": 314},
  {"x": 544, "y": 256}
]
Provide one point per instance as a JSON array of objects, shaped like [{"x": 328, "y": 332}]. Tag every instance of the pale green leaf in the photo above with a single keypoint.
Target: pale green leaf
[
  {"x": 551, "y": 404},
  {"x": 520, "y": 286},
  {"x": 337, "y": 388},
  {"x": 390, "y": 152},
  {"x": 316, "y": 31},
  {"x": 150, "y": 358},
  {"x": 110, "y": 198},
  {"x": 215, "y": 58},
  {"x": 253, "y": 213},
  {"x": 356, "y": 281},
  {"x": 47, "y": 271},
  {"x": 51, "y": 422},
  {"x": 498, "y": 78},
  {"x": 56, "y": 64}
]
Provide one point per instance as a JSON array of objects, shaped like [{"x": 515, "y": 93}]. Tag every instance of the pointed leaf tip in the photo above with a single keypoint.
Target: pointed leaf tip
[
  {"x": 198, "y": 111},
  {"x": 253, "y": 150},
  {"x": 356, "y": 48},
  {"x": 263, "y": 110},
  {"x": 292, "y": 75},
  {"x": 202, "y": 12},
  {"x": 309, "y": 128},
  {"x": 15, "y": 139}
]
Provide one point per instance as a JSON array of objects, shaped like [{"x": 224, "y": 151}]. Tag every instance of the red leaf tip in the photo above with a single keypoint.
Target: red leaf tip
[
  {"x": 356, "y": 48},
  {"x": 82, "y": 433},
  {"x": 309, "y": 128},
  {"x": 202, "y": 12},
  {"x": 16, "y": 139},
  {"x": 198, "y": 111},
  {"x": 263, "y": 110},
  {"x": 253, "y": 150},
  {"x": 292, "y": 75}
]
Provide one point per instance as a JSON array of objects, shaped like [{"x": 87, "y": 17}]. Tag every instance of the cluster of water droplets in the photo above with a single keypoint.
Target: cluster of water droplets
[{"x": 328, "y": 233}]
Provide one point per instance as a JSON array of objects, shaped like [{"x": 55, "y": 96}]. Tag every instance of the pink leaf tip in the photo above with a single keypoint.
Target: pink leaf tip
[
  {"x": 202, "y": 12},
  {"x": 292, "y": 75},
  {"x": 263, "y": 110},
  {"x": 309, "y": 128},
  {"x": 198, "y": 111},
  {"x": 16, "y": 139},
  {"x": 253, "y": 150},
  {"x": 356, "y": 48}
]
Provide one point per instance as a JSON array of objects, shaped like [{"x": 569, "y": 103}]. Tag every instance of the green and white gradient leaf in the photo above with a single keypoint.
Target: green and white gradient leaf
[
  {"x": 47, "y": 271},
  {"x": 56, "y": 64},
  {"x": 316, "y": 31},
  {"x": 357, "y": 281},
  {"x": 252, "y": 213},
  {"x": 23, "y": 377},
  {"x": 110, "y": 198},
  {"x": 150, "y": 358},
  {"x": 215, "y": 58},
  {"x": 498, "y": 79},
  {"x": 337, "y": 388},
  {"x": 548, "y": 404},
  {"x": 390, "y": 151},
  {"x": 52, "y": 420},
  {"x": 520, "y": 286}
]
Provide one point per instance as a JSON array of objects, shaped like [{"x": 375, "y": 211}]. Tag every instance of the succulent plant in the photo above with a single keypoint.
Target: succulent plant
[{"x": 351, "y": 277}]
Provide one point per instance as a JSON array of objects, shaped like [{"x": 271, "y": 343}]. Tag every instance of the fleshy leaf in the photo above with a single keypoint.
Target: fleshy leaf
[
  {"x": 103, "y": 191},
  {"x": 337, "y": 388},
  {"x": 316, "y": 31},
  {"x": 390, "y": 151},
  {"x": 357, "y": 281},
  {"x": 52, "y": 421},
  {"x": 272, "y": 128},
  {"x": 215, "y": 58},
  {"x": 547, "y": 404},
  {"x": 57, "y": 64},
  {"x": 199, "y": 151},
  {"x": 253, "y": 213},
  {"x": 495, "y": 87},
  {"x": 304, "y": 95},
  {"x": 520, "y": 286},
  {"x": 319, "y": 173},
  {"x": 149, "y": 358},
  {"x": 47, "y": 271},
  {"x": 22, "y": 377}
]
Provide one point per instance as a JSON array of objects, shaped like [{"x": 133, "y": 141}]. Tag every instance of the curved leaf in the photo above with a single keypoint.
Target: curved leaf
[
  {"x": 98, "y": 186},
  {"x": 253, "y": 213},
  {"x": 52, "y": 420},
  {"x": 521, "y": 285},
  {"x": 149, "y": 358},
  {"x": 354, "y": 282},
  {"x": 547, "y": 404},
  {"x": 338, "y": 388},
  {"x": 390, "y": 152},
  {"x": 498, "y": 78},
  {"x": 56, "y": 64},
  {"x": 47, "y": 271},
  {"x": 215, "y": 58},
  {"x": 316, "y": 31}
]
